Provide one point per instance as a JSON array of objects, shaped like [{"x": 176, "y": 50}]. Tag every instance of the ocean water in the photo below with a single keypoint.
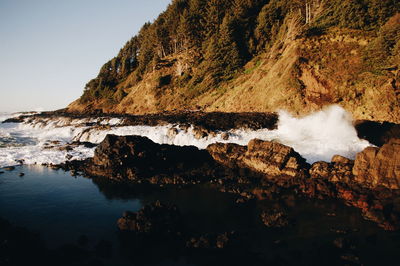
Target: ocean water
[
  {"x": 62, "y": 208},
  {"x": 317, "y": 137}
]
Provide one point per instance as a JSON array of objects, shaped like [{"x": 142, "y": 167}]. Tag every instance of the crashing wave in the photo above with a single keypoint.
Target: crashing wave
[{"x": 317, "y": 137}]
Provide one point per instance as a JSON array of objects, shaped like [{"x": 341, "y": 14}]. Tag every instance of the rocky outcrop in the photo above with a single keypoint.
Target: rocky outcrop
[
  {"x": 135, "y": 157},
  {"x": 338, "y": 170},
  {"x": 379, "y": 166},
  {"x": 261, "y": 170},
  {"x": 269, "y": 158}
]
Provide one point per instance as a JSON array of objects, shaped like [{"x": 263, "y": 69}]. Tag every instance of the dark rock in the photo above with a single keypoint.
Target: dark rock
[
  {"x": 211, "y": 241},
  {"x": 1, "y": 172},
  {"x": 21, "y": 174},
  {"x": 377, "y": 133},
  {"x": 155, "y": 218},
  {"x": 134, "y": 157}
]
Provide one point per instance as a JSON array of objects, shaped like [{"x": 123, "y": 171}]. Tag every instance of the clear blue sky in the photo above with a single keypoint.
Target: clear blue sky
[{"x": 49, "y": 49}]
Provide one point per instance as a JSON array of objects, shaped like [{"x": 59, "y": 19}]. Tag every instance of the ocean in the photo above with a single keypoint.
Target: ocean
[{"x": 316, "y": 137}]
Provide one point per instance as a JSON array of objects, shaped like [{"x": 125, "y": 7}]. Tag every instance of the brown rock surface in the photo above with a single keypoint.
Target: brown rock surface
[
  {"x": 270, "y": 158},
  {"x": 379, "y": 166}
]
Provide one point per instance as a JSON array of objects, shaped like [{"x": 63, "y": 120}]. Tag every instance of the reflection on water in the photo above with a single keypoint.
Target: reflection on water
[{"x": 62, "y": 208}]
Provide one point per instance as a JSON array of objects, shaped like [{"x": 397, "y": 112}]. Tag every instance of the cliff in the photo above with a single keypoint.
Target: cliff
[{"x": 257, "y": 56}]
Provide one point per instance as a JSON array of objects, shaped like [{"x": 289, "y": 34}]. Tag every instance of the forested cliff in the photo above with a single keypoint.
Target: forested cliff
[{"x": 257, "y": 55}]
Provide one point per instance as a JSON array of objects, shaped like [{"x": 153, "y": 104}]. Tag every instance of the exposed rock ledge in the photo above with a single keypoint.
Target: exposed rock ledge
[{"x": 370, "y": 183}]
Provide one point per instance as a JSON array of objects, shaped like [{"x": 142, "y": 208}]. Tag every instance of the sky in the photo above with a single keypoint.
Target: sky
[{"x": 49, "y": 49}]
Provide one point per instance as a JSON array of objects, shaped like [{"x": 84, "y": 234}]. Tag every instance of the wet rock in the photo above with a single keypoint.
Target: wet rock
[
  {"x": 1, "y": 172},
  {"x": 211, "y": 241},
  {"x": 172, "y": 132},
  {"x": 201, "y": 132},
  {"x": 379, "y": 166},
  {"x": 270, "y": 158},
  {"x": 9, "y": 168},
  {"x": 339, "y": 170},
  {"x": 155, "y": 218},
  {"x": 338, "y": 159},
  {"x": 135, "y": 157},
  {"x": 275, "y": 218},
  {"x": 320, "y": 170},
  {"x": 225, "y": 136},
  {"x": 377, "y": 133},
  {"x": 21, "y": 174}
]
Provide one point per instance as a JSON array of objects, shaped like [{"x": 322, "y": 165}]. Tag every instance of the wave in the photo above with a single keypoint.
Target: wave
[{"x": 317, "y": 137}]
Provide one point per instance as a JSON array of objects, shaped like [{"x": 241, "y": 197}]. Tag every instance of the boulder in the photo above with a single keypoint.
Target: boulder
[
  {"x": 134, "y": 157},
  {"x": 266, "y": 157},
  {"x": 379, "y": 166}
]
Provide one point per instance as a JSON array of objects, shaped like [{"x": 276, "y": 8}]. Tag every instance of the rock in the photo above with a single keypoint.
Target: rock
[
  {"x": 155, "y": 218},
  {"x": 320, "y": 170},
  {"x": 21, "y": 174},
  {"x": 200, "y": 132},
  {"x": 211, "y": 241},
  {"x": 270, "y": 158},
  {"x": 377, "y": 133},
  {"x": 379, "y": 166},
  {"x": 225, "y": 136},
  {"x": 1, "y": 172},
  {"x": 341, "y": 160},
  {"x": 339, "y": 170},
  {"x": 9, "y": 168},
  {"x": 172, "y": 132},
  {"x": 275, "y": 218},
  {"x": 135, "y": 157}
]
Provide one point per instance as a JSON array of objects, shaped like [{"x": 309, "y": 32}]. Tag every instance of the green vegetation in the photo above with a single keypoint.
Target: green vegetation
[{"x": 223, "y": 35}]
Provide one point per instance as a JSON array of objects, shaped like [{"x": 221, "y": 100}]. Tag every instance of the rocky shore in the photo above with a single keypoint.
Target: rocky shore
[{"x": 259, "y": 170}]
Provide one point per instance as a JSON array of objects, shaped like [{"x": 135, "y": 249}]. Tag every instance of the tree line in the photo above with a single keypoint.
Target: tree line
[{"x": 225, "y": 34}]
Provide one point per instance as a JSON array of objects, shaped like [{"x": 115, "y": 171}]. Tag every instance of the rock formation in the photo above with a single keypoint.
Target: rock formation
[
  {"x": 379, "y": 166},
  {"x": 270, "y": 158},
  {"x": 135, "y": 157}
]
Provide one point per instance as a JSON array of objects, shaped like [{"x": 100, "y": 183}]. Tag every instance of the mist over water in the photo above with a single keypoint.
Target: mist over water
[{"x": 317, "y": 137}]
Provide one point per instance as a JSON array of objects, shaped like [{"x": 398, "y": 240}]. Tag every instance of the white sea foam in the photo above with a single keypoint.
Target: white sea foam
[{"x": 316, "y": 137}]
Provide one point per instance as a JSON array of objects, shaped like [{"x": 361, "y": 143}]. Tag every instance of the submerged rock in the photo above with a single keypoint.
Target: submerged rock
[
  {"x": 211, "y": 241},
  {"x": 275, "y": 218},
  {"x": 379, "y": 166},
  {"x": 154, "y": 218}
]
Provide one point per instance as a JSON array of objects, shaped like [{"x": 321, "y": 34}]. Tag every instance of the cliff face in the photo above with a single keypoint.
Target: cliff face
[{"x": 302, "y": 67}]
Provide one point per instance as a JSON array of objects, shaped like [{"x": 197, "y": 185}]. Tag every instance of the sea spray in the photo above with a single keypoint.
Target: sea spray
[
  {"x": 320, "y": 135},
  {"x": 316, "y": 137}
]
